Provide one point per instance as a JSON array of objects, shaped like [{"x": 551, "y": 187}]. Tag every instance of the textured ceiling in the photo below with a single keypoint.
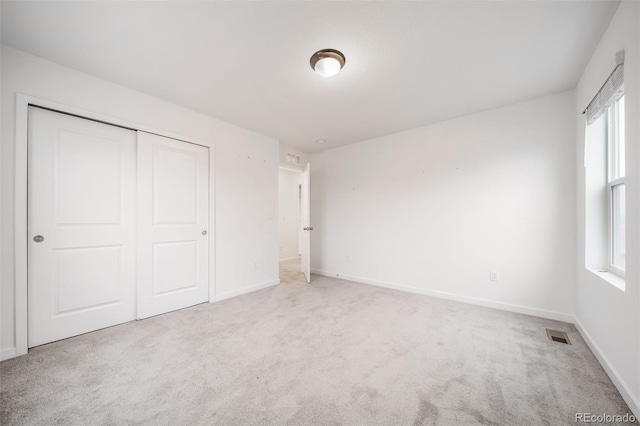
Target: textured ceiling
[{"x": 409, "y": 64}]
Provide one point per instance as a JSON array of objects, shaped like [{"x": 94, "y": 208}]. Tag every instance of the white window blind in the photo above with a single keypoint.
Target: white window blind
[{"x": 610, "y": 91}]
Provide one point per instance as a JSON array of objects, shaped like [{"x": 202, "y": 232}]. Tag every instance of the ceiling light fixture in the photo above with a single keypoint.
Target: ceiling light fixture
[
  {"x": 327, "y": 62},
  {"x": 321, "y": 141}
]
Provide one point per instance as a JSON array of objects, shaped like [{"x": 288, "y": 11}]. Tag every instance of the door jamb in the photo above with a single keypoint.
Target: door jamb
[
  {"x": 294, "y": 169},
  {"x": 20, "y": 199}
]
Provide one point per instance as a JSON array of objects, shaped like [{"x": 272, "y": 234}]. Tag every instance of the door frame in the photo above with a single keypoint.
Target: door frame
[
  {"x": 293, "y": 169},
  {"x": 20, "y": 242}
]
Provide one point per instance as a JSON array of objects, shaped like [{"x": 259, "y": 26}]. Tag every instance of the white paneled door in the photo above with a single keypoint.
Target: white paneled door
[
  {"x": 118, "y": 225},
  {"x": 173, "y": 224},
  {"x": 81, "y": 225},
  {"x": 305, "y": 216}
]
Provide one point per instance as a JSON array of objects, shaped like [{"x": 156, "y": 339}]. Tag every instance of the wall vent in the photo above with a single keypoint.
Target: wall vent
[
  {"x": 292, "y": 158},
  {"x": 558, "y": 336}
]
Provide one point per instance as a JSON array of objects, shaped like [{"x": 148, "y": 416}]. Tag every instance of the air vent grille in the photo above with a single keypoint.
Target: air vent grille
[
  {"x": 558, "y": 336},
  {"x": 292, "y": 158}
]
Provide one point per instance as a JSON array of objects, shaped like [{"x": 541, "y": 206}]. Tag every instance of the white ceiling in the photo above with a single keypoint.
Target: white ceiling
[{"x": 409, "y": 64}]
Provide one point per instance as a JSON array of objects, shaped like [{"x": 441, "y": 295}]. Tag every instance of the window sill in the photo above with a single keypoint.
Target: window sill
[{"x": 614, "y": 279}]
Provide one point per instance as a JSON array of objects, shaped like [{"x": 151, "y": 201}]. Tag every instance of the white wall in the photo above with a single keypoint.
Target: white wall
[
  {"x": 289, "y": 213},
  {"x": 246, "y": 171},
  {"x": 434, "y": 209},
  {"x": 608, "y": 317}
]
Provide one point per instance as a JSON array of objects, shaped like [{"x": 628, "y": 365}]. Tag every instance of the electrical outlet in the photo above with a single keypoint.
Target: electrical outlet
[{"x": 494, "y": 276}]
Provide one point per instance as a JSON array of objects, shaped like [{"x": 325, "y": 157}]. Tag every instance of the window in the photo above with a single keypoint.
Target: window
[
  {"x": 615, "y": 185},
  {"x": 604, "y": 162}
]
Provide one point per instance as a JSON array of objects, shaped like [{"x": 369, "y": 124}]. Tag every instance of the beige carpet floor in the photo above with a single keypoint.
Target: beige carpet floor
[{"x": 332, "y": 352}]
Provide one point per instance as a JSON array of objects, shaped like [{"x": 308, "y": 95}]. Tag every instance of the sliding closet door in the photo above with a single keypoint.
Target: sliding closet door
[
  {"x": 173, "y": 224},
  {"x": 81, "y": 225}
]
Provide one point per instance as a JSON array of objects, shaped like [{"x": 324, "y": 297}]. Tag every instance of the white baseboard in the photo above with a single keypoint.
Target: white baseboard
[
  {"x": 7, "y": 353},
  {"x": 250, "y": 289},
  {"x": 618, "y": 381},
  {"x": 558, "y": 316}
]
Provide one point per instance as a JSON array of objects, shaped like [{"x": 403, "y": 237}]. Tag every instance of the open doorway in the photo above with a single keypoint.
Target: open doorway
[
  {"x": 290, "y": 223},
  {"x": 295, "y": 223}
]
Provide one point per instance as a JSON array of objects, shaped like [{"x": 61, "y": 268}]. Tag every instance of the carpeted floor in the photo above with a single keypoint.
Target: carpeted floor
[{"x": 332, "y": 352}]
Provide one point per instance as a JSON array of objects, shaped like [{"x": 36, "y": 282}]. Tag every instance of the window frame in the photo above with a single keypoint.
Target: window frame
[{"x": 613, "y": 176}]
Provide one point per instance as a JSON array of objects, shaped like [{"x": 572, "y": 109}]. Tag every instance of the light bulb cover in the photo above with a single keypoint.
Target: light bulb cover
[{"x": 327, "y": 62}]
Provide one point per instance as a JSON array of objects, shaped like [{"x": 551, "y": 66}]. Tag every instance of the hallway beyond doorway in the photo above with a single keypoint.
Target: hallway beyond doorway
[{"x": 290, "y": 271}]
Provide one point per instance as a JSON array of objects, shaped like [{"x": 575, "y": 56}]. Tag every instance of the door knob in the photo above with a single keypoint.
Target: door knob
[
  {"x": 38, "y": 238},
  {"x": 308, "y": 228},
  {"x": 204, "y": 232}
]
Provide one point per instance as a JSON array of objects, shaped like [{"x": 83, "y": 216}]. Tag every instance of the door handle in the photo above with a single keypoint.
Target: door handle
[
  {"x": 38, "y": 238},
  {"x": 308, "y": 228}
]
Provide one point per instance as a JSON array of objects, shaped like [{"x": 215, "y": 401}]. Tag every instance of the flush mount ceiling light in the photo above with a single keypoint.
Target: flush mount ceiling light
[
  {"x": 327, "y": 62},
  {"x": 321, "y": 141}
]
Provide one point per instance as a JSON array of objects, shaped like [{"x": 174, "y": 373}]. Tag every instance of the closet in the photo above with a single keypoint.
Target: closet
[{"x": 118, "y": 225}]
